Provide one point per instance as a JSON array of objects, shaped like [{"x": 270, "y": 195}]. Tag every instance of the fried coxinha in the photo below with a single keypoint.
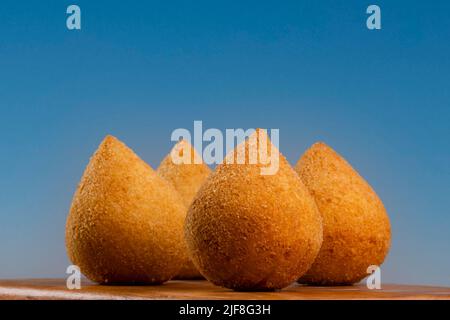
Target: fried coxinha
[
  {"x": 356, "y": 228},
  {"x": 126, "y": 223},
  {"x": 248, "y": 231}
]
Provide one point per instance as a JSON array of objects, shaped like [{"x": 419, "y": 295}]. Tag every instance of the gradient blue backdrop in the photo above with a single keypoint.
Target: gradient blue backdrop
[{"x": 140, "y": 69}]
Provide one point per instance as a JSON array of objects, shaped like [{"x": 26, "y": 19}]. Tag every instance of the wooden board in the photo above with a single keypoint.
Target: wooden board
[{"x": 198, "y": 290}]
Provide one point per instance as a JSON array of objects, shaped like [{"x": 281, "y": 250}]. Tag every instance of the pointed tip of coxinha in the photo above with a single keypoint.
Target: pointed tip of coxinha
[
  {"x": 321, "y": 147},
  {"x": 355, "y": 223},
  {"x": 110, "y": 141},
  {"x": 321, "y": 159},
  {"x": 186, "y": 177},
  {"x": 256, "y": 150},
  {"x": 125, "y": 223},
  {"x": 184, "y": 150},
  {"x": 321, "y": 144},
  {"x": 110, "y": 138},
  {"x": 258, "y": 136},
  {"x": 113, "y": 152}
]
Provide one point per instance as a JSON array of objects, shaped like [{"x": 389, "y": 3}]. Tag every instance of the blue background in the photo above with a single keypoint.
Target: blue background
[{"x": 139, "y": 70}]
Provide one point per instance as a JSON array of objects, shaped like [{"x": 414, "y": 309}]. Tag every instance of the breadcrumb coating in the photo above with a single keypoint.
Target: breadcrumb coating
[
  {"x": 126, "y": 223},
  {"x": 356, "y": 228}
]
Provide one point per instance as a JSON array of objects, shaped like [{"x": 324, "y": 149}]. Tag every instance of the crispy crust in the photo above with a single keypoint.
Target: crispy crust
[
  {"x": 356, "y": 227},
  {"x": 186, "y": 179},
  {"x": 248, "y": 231},
  {"x": 125, "y": 223}
]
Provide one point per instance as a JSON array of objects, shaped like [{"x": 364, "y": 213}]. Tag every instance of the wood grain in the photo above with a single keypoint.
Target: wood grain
[{"x": 51, "y": 289}]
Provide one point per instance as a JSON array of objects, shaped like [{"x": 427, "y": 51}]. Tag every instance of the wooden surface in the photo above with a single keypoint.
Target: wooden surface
[{"x": 199, "y": 290}]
